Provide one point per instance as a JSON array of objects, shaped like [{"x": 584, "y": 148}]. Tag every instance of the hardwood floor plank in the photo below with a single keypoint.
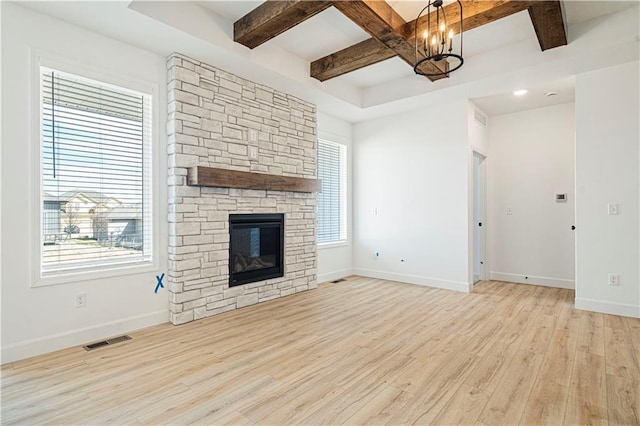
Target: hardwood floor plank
[
  {"x": 464, "y": 408},
  {"x": 506, "y": 405},
  {"x": 379, "y": 409},
  {"x": 620, "y": 354},
  {"x": 363, "y": 351},
  {"x": 591, "y": 336},
  {"x": 559, "y": 359},
  {"x": 623, "y": 397},
  {"x": 432, "y": 395},
  {"x": 538, "y": 336},
  {"x": 546, "y": 404},
  {"x": 587, "y": 391}
]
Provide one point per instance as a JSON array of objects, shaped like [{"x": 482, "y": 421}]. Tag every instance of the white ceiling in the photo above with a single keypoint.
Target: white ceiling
[{"x": 499, "y": 57}]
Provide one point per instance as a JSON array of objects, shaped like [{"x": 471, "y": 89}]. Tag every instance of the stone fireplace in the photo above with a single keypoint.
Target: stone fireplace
[{"x": 219, "y": 120}]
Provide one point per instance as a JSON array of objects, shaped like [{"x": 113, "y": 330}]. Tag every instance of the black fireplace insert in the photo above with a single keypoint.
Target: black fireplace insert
[{"x": 256, "y": 247}]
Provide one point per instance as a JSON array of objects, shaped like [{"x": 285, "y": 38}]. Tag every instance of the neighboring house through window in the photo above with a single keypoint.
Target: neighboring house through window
[
  {"x": 332, "y": 201},
  {"x": 95, "y": 186}
]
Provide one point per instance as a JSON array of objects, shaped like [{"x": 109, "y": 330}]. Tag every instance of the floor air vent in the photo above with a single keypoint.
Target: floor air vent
[
  {"x": 107, "y": 342},
  {"x": 338, "y": 281}
]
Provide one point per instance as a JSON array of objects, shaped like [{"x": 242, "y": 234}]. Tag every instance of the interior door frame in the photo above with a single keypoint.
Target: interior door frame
[{"x": 481, "y": 232}]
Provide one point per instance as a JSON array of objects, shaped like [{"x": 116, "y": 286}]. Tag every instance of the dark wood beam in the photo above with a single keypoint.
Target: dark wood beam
[
  {"x": 360, "y": 55},
  {"x": 548, "y": 23},
  {"x": 272, "y": 18},
  {"x": 475, "y": 14},
  {"x": 385, "y": 25}
]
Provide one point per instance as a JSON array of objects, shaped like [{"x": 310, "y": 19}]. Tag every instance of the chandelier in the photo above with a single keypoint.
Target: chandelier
[{"x": 437, "y": 42}]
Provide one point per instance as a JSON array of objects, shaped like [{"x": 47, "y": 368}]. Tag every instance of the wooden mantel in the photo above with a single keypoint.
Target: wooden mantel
[{"x": 223, "y": 178}]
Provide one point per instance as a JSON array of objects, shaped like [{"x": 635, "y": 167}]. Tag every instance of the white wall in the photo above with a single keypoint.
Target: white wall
[
  {"x": 335, "y": 260},
  {"x": 607, "y": 171},
  {"x": 411, "y": 197},
  {"x": 532, "y": 159},
  {"x": 42, "y": 319}
]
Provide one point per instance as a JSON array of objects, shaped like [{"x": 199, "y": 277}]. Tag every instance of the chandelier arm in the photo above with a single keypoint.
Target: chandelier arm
[
  {"x": 415, "y": 38},
  {"x": 461, "y": 29}
]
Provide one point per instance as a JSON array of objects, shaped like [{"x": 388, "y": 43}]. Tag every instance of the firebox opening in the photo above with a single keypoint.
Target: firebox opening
[{"x": 256, "y": 247}]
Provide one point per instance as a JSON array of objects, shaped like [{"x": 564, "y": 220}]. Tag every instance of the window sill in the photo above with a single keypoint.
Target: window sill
[
  {"x": 67, "y": 277},
  {"x": 333, "y": 244}
]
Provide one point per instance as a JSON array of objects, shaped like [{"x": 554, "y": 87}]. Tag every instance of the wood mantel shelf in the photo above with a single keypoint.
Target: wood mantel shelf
[{"x": 223, "y": 178}]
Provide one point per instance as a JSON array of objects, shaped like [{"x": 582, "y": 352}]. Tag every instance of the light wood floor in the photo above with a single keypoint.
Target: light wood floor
[{"x": 362, "y": 351}]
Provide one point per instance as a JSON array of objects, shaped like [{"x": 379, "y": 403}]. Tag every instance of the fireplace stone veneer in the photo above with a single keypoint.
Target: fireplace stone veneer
[{"x": 217, "y": 119}]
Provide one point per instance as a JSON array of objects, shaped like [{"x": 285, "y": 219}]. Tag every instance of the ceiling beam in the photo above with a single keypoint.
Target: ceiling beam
[
  {"x": 272, "y": 18},
  {"x": 385, "y": 25},
  {"x": 548, "y": 24},
  {"x": 360, "y": 55},
  {"x": 475, "y": 14}
]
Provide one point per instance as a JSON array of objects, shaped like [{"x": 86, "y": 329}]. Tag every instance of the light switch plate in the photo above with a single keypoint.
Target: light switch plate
[{"x": 613, "y": 209}]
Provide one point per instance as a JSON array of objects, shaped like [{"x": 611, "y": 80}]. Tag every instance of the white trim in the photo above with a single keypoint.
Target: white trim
[
  {"x": 332, "y": 137},
  {"x": 80, "y": 336},
  {"x": 333, "y": 244},
  {"x": 40, "y": 58},
  {"x": 334, "y": 275},
  {"x": 532, "y": 279},
  {"x": 415, "y": 279},
  {"x": 622, "y": 309}
]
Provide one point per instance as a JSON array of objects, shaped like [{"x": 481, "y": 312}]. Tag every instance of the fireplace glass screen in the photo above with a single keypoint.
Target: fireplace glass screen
[{"x": 255, "y": 248}]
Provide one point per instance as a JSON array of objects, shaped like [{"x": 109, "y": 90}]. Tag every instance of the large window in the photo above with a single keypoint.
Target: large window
[
  {"x": 332, "y": 201},
  {"x": 95, "y": 187}
]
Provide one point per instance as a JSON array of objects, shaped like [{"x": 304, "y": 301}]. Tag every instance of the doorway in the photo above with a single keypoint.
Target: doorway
[{"x": 479, "y": 226}]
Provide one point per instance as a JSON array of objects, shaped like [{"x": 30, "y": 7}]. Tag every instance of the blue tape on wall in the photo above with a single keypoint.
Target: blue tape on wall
[{"x": 159, "y": 283}]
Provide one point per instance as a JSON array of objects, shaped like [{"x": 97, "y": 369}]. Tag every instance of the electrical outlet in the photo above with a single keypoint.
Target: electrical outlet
[
  {"x": 81, "y": 300},
  {"x": 614, "y": 280},
  {"x": 509, "y": 211}
]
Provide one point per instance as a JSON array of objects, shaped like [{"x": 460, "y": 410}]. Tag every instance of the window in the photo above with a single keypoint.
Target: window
[
  {"x": 95, "y": 175},
  {"x": 332, "y": 201}
]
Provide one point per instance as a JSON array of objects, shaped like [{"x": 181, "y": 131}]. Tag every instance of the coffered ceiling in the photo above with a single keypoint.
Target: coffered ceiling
[
  {"x": 391, "y": 34},
  {"x": 500, "y": 56}
]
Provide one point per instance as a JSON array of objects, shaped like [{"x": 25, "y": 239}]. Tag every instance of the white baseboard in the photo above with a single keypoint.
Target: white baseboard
[
  {"x": 335, "y": 275},
  {"x": 44, "y": 345},
  {"x": 621, "y": 309},
  {"x": 532, "y": 279},
  {"x": 415, "y": 279}
]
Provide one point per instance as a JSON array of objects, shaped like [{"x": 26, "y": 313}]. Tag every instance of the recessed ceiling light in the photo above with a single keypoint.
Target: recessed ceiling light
[{"x": 520, "y": 92}]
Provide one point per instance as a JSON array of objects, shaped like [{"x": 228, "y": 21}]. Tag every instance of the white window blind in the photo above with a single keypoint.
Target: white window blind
[
  {"x": 332, "y": 201},
  {"x": 95, "y": 174}
]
